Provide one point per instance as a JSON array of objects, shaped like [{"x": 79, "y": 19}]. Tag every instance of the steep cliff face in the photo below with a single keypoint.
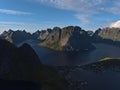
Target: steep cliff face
[
  {"x": 68, "y": 39},
  {"x": 108, "y": 33},
  {"x": 44, "y": 33},
  {"x": 53, "y": 39}
]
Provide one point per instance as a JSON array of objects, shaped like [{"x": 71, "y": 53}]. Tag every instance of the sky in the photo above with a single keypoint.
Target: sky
[{"x": 33, "y": 15}]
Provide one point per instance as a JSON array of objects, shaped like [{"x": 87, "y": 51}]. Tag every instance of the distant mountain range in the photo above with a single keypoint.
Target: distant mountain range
[
  {"x": 19, "y": 36},
  {"x": 71, "y": 38},
  {"x": 108, "y": 36}
]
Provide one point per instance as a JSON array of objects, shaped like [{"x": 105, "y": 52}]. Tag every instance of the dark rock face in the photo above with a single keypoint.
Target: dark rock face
[
  {"x": 17, "y": 62},
  {"x": 23, "y": 65},
  {"x": 7, "y": 51},
  {"x": 36, "y": 34},
  {"x": 68, "y": 39},
  {"x": 90, "y": 33},
  {"x": 18, "y": 85},
  {"x": 107, "y": 64},
  {"x": 96, "y": 37}
]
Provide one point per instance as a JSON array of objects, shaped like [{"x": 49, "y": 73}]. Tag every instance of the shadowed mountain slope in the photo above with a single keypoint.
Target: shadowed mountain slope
[{"x": 23, "y": 64}]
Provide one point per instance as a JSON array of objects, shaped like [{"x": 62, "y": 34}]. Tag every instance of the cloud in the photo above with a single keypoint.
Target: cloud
[
  {"x": 19, "y": 26},
  {"x": 85, "y": 9},
  {"x": 11, "y": 23},
  {"x": 14, "y": 12},
  {"x": 115, "y": 24}
]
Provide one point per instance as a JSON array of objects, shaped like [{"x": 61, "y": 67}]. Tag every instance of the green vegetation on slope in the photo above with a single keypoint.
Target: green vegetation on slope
[
  {"x": 107, "y": 64},
  {"x": 55, "y": 46}
]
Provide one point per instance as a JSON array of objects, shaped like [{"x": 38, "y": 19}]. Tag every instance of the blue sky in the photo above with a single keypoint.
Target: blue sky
[{"x": 41, "y": 14}]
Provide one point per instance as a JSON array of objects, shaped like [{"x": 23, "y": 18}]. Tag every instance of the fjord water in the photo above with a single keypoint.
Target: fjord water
[
  {"x": 50, "y": 57},
  {"x": 95, "y": 81}
]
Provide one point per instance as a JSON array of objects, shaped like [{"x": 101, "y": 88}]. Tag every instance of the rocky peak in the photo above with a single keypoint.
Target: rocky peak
[
  {"x": 44, "y": 33},
  {"x": 10, "y": 31},
  {"x": 49, "y": 30},
  {"x": 15, "y": 37},
  {"x": 108, "y": 33},
  {"x": 68, "y": 39}
]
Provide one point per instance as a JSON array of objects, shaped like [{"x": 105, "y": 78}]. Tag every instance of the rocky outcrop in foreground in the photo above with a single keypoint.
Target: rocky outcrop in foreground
[{"x": 23, "y": 65}]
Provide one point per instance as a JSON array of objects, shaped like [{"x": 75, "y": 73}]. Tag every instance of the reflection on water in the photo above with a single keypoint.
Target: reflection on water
[{"x": 51, "y": 57}]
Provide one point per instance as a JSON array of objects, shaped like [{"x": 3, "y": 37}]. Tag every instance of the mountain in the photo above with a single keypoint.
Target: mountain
[
  {"x": 71, "y": 38},
  {"x": 44, "y": 33},
  {"x": 17, "y": 63},
  {"x": 90, "y": 33},
  {"x": 36, "y": 34},
  {"x": 108, "y": 36},
  {"x": 109, "y": 33},
  {"x": 15, "y": 37},
  {"x": 19, "y": 36},
  {"x": 23, "y": 65}
]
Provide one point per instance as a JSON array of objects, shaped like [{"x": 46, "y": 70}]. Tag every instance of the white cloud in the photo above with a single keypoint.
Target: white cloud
[
  {"x": 115, "y": 24},
  {"x": 19, "y": 26},
  {"x": 14, "y": 12},
  {"x": 11, "y": 23},
  {"x": 85, "y": 9}
]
